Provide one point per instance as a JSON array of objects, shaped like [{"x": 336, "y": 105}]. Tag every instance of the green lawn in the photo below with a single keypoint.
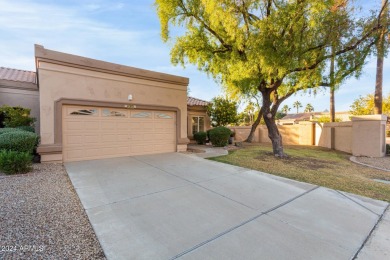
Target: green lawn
[{"x": 314, "y": 165}]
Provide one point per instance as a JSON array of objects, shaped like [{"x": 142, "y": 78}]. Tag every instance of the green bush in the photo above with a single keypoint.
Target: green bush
[
  {"x": 200, "y": 137},
  {"x": 19, "y": 140},
  {"x": 8, "y": 130},
  {"x": 387, "y": 148},
  {"x": 219, "y": 136},
  {"x": 27, "y": 128},
  {"x": 12, "y": 162},
  {"x": 16, "y": 116}
]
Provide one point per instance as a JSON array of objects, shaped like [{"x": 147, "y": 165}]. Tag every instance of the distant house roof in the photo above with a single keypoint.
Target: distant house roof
[
  {"x": 17, "y": 75},
  {"x": 18, "y": 79},
  {"x": 196, "y": 102},
  {"x": 299, "y": 116},
  {"x": 294, "y": 118}
]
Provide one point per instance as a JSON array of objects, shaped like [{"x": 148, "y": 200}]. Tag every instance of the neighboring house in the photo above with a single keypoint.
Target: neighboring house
[
  {"x": 91, "y": 109},
  {"x": 197, "y": 119},
  {"x": 19, "y": 88},
  {"x": 292, "y": 119}
]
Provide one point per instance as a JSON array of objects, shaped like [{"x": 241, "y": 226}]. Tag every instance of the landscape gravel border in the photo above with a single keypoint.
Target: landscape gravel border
[
  {"x": 373, "y": 163},
  {"x": 42, "y": 217}
]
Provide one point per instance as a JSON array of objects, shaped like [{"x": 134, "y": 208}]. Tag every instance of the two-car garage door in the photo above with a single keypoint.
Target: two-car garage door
[{"x": 103, "y": 132}]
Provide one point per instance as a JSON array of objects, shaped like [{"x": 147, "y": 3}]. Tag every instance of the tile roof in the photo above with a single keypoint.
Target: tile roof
[
  {"x": 196, "y": 102},
  {"x": 18, "y": 75}
]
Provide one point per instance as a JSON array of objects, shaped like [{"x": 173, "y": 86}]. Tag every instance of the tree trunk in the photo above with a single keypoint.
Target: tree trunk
[
  {"x": 249, "y": 139},
  {"x": 273, "y": 131},
  {"x": 274, "y": 135},
  {"x": 332, "y": 111},
  {"x": 379, "y": 66},
  {"x": 332, "y": 106}
]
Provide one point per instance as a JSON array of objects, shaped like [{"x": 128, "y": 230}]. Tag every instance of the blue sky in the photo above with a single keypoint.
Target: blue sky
[{"x": 128, "y": 32}]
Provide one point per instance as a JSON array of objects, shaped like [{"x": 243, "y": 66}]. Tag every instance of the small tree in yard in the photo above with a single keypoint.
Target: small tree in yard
[
  {"x": 275, "y": 47},
  {"x": 222, "y": 112},
  {"x": 366, "y": 105}
]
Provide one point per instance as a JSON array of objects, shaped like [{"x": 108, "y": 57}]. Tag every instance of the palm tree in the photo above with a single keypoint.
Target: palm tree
[
  {"x": 297, "y": 105},
  {"x": 379, "y": 62},
  {"x": 285, "y": 109},
  {"x": 309, "y": 108}
]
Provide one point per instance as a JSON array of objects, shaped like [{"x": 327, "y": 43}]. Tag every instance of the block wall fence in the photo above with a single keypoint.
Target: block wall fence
[{"x": 363, "y": 136}]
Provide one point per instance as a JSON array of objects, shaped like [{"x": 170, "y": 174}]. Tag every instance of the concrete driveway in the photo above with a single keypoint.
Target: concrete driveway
[{"x": 170, "y": 206}]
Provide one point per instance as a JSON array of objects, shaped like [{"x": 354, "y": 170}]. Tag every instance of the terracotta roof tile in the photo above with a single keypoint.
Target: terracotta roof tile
[
  {"x": 196, "y": 102},
  {"x": 17, "y": 75}
]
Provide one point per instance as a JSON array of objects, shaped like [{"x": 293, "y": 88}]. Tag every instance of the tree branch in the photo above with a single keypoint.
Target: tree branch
[{"x": 203, "y": 23}]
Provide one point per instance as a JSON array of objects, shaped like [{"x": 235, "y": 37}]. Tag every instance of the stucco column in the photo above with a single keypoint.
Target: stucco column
[{"x": 369, "y": 135}]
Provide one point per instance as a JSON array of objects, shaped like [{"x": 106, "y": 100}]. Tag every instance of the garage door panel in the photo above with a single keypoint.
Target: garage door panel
[
  {"x": 123, "y": 125},
  {"x": 92, "y": 139},
  {"x": 108, "y": 151},
  {"x": 91, "y": 125},
  {"x": 74, "y": 139},
  {"x": 93, "y": 133},
  {"x": 108, "y": 125}
]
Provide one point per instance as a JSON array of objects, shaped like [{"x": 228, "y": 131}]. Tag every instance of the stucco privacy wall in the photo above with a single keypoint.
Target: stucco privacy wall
[
  {"x": 342, "y": 136},
  {"x": 363, "y": 136},
  {"x": 70, "y": 79}
]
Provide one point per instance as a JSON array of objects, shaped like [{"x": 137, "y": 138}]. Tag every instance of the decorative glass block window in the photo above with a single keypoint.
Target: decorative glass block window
[
  {"x": 163, "y": 116},
  {"x": 142, "y": 115},
  {"x": 85, "y": 112},
  {"x": 197, "y": 124},
  {"x": 109, "y": 112}
]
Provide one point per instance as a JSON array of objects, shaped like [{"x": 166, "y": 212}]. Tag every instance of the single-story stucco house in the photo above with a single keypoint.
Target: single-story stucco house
[{"x": 91, "y": 109}]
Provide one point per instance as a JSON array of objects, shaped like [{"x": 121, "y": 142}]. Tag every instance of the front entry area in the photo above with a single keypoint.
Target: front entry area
[{"x": 103, "y": 132}]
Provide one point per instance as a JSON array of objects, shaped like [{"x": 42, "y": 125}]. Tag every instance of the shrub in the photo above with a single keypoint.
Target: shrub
[
  {"x": 219, "y": 136},
  {"x": 200, "y": 137},
  {"x": 12, "y": 162},
  {"x": 27, "y": 128},
  {"x": 8, "y": 130},
  {"x": 16, "y": 116},
  {"x": 387, "y": 148},
  {"x": 19, "y": 140}
]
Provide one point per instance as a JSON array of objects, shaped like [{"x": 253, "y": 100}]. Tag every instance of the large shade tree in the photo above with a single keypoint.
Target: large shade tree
[{"x": 276, "y": 47}]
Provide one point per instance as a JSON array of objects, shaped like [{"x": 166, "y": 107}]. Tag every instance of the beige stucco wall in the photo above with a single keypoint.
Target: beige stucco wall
[
  {"x": 24, "y": 98},
  {"x": 242, "y": 133},
  {"x": 369, "y": 136},
  {"x": 363, "y": 136},
  {"x": 342, "y": 136},
  {"x": 300, "y": 134}
]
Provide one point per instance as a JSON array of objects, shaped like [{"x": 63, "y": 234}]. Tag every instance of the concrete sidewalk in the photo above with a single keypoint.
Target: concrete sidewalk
[{"x": 171, "y": 206}]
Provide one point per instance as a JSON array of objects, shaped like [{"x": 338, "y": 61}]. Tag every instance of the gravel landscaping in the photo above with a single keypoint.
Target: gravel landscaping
[
  {"x": 41, "y": 217},
  {"x": 383, "y": 162}
]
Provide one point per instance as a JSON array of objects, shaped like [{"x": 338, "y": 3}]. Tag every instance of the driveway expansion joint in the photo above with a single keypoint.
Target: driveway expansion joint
[
  {"x": 241, "y": 224},
  {"x": 371, "y": 232},
  {"x": 198, "y": 185},
  {"x": 344, "y": 195},
  {"x": 137, "y": 197}
]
